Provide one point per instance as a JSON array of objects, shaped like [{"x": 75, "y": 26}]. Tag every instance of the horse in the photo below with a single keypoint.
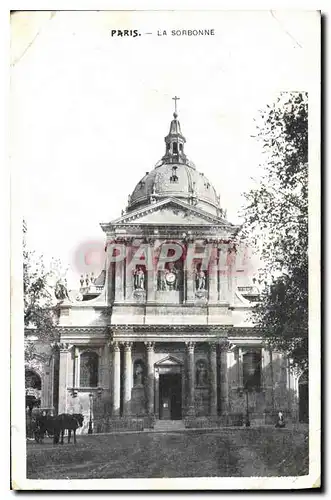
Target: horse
[
  {"x": 69, "y": 422},
  {"x": 45, "y": 424},
  {"x": 54, "y": 426}
]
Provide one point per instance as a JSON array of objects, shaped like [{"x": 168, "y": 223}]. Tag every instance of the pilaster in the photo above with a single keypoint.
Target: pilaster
[
  {"x": 150, "y": 377},
  {"x": 213, "y": 379},
  {"x": 190, "y": 378}
]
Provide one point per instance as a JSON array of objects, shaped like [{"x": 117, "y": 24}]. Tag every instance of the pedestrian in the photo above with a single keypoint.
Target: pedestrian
[{"x": 280, "y": 420}]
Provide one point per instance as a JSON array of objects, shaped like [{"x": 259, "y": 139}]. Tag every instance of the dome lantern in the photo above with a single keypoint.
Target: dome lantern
[
  {"x": 175, "y": 140},
  {"x": 175, "y": 176}
]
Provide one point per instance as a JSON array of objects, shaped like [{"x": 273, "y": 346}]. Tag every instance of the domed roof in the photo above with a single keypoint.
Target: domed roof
[
  {"x": 175, "y": 176},
  {"x": 191, "y": 186}
]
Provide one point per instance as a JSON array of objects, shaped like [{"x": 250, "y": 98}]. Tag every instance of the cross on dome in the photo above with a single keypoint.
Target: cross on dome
[{"x": 175, "y": 99}]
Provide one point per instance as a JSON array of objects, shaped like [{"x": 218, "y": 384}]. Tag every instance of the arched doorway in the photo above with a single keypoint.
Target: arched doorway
[
  {"x": 303, "y": 398},
  {"x": 32, "y": 389}
]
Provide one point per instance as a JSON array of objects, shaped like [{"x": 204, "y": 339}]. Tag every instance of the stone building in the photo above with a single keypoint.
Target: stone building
[{"x": 163, "y": 333}]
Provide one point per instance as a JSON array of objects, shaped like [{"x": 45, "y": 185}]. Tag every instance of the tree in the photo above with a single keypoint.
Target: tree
[
  {"x": 276, "y": 222},
  {"x": 40, "y": 314}
]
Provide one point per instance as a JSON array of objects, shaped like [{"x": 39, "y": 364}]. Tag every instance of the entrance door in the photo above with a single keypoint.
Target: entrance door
[{"x": 170, "y": 396}]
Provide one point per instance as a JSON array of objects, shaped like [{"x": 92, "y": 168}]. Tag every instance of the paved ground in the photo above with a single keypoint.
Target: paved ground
[{"x": 224, "y": 453}]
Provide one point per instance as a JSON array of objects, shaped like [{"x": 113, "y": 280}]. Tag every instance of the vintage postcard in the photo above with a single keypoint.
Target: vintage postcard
[{"x": 165, "y": 330}]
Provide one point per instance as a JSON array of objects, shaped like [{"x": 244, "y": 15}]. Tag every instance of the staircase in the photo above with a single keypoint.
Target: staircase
[{"x": 169, "y": 425}]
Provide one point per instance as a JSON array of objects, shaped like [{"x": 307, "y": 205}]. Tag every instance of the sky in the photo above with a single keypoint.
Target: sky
[{"x": 89, "y": 112}]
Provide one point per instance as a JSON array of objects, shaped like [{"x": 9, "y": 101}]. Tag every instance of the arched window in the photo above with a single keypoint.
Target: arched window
[
  {"x": 32, "y": 380},
  {"x": 89, "y": 363},
  {"x": 138, "y": 372},
  {"x": 201, "y": 373}
]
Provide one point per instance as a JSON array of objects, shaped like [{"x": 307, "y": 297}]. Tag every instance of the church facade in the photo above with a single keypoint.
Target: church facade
[{"x": 164, "y": 332}]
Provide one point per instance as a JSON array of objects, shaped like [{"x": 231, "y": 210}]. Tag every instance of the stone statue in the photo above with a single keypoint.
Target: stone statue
[
  {"x": 61, "y": 291},
  {"x": 139, "y": 279},
  {"x": 82, "y": 281},
  {"x": 202, "y": 378},
  {"x": 139, "y": 375},
  {"x": 200, "y": 280}
]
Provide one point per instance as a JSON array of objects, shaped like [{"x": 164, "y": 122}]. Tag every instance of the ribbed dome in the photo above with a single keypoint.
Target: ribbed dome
[
  {"x": 191, "y": 186},
  {"x": 175, "y": 176}
]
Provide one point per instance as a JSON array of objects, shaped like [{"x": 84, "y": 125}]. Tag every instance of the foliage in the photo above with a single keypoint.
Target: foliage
[
  {"x": 40, "y": 315},
  {"x": 276, "y": 222}
]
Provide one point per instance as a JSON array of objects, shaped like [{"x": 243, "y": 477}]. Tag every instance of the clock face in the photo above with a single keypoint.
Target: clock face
[{"x": 171, "y": 278}]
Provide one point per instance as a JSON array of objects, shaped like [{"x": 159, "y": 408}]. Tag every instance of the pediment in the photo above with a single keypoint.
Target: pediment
[
  {"x": 170, "y": 212},
  {"x": 169, "y": 360}
]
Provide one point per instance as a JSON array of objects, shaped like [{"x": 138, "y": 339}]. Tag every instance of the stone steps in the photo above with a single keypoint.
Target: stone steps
[{"x": 169, "y": 425}]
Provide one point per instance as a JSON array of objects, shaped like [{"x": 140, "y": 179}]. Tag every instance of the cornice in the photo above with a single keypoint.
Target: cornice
[
  {"x": 127, "y": 220},
  {"x": 83, "y": 330}
]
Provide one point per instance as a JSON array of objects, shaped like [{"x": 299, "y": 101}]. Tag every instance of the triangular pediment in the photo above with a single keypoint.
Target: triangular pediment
[
  {"x": 169, "y": 360},
  {"x": 170, "y": 212}
]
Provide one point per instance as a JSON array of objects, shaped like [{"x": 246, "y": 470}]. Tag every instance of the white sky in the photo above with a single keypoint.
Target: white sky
[{"x": 90, "y": 112}]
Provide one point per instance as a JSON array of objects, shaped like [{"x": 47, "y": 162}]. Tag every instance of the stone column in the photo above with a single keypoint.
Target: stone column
[
  {"x": 223, "y": 274},
  {"x": 189, "y": 276},
  {"x": 151, "y": 275},
  {"x": 150, "y": 377},
  {"x": 190, "y": 378},
  {"x": 76, "y": 366},
  {"x": 129, "y": 283},
  {"x": 232, "y": 278},
  {"x": 45, "y": 388},
  {"x": 63, "y": 378},
  {"x": 213, "y": 279},
  {"x": 267, "y": 378},
  {"x": 119, "y": 280},
  {"x": 213, "y": 380},
  {"x": 224, "y": 380},
  {"x": 110, "y": 269},
  {"x": 241, "y": 367},
  {"x": 116, "y": 380},
  {"x": 127, "y": 378}
]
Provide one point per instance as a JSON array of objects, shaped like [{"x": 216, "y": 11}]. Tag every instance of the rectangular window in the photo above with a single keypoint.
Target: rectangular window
[
  {"x": 175, "y": 148},
  {"x": 252, "y": 370}
]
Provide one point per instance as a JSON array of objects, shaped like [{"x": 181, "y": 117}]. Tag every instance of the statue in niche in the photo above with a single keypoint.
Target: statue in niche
[
  {"x": 139, "y": 375},
  {"x": 139, "y": 279},
  {"x": 200, "y": 280},
  {"x": 201, "y": 374}
]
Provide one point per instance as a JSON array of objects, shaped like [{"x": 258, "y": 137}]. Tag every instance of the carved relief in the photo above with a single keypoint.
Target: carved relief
[{"x": 168, "y": 278}]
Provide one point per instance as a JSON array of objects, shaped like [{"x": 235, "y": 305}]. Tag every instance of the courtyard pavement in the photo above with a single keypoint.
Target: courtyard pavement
[{"x": 191, "y": 453}]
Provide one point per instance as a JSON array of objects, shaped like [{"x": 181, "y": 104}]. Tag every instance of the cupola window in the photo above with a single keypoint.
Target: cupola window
[
  {"x": 173, "y": 177},
  {"x": 175, "y": 148}
]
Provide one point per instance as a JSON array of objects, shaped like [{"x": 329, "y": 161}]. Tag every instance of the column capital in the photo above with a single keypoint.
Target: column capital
[
  {"x": 64, "y": 347},
  {"x": 115, "y": 345},
  {"x": 127, "y": 346},
  {"x": 226, "y": 345},
  {"x": 213, "y": 347},
  {"x": 149, "y": 346},
  {"x": 190, "y": 346}
]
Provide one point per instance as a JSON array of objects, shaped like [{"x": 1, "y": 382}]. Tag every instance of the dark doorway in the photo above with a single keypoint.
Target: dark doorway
[{"x": 170, "y": 386}]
